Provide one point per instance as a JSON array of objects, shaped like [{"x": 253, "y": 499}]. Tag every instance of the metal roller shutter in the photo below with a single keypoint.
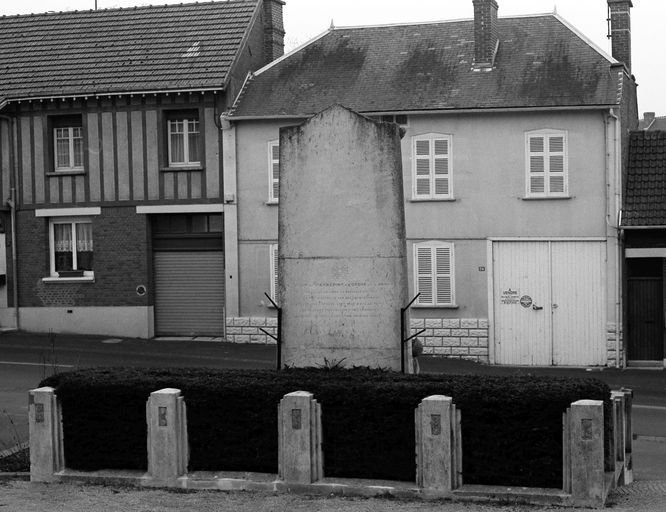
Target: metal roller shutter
[{"x": 189, "y": 293}]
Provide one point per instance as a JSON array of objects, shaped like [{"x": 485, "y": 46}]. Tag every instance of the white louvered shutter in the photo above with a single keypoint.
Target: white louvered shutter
[
  {"x": 422, "y": 174},
  {"x": 274, "y": 271},
  {"x": 441, "y": 165},
  {"x": 434, "y": 274},
  {"x": 443, "y": 275},
  {"x": 556, "y": 175},
  {"x": 424, "y": 275},
  {"x": 274, "y": 171},
  {"x": 537, "y": 165},
  {"x": 432, "y": 167}
]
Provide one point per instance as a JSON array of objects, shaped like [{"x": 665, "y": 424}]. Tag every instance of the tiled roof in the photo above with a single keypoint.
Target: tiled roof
[
  {"x": 645, "y": 195},
  {"x": 169, "y": 47},
  {"x": 541, "y": 62}
]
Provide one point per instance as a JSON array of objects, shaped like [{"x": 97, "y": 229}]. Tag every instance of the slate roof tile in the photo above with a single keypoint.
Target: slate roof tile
[
  {"x": 645, "y": 194},
  {"x": 540, "y": 62},
  {"x": 151, "y": 48}
]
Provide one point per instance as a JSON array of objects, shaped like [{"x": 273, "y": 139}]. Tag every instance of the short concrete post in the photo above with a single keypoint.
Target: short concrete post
[
  {"x": 300, "y": 458},
  {"x": 434, "y": 468},
  {"x": 167, "y": 436},
  {"x": 45, "y": 427},
  {"x": 628, "y": 436},
  {"x": 586, "y": 430}
]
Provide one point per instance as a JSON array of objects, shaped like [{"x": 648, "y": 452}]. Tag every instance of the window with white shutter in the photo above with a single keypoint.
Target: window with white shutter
[
  {"x": 273, "y": 171},
  {"x": 431, "y": 161},
  {"x": 546, "y": 164},
  {"x": 273, "y": 251},
  {"x": 434, "y": 273}
]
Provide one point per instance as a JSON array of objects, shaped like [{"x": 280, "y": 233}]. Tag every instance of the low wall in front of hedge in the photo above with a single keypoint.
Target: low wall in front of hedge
[{"x": 511, "y": 426}]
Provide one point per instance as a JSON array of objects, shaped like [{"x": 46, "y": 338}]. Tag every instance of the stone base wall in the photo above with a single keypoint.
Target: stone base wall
[
  {"x": 460, "y": 338},
  {"x": 611, "y": 346},
  {"x": 247, "y": 330}
]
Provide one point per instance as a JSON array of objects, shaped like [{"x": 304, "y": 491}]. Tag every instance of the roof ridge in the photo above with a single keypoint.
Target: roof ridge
[
  {"x": 436, "y": 22},
  {"x": 132, "y": 8}
]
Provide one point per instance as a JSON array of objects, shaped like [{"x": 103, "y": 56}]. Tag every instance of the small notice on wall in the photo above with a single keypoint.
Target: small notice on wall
[{"x": 510, "y": 297}]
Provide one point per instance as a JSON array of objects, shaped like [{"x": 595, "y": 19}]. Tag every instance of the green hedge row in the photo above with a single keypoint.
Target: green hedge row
[{"x": 511, "y": 426}]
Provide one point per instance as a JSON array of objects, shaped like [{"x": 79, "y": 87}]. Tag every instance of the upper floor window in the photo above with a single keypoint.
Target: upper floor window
[
  {"x": 183, "y": 139},
  {"x": 546, "y": 164},
  {"x": 400, "y": 119},
  {"x": 273, "y": 171},
  {"x": 67, "y": 143},
  {"x": 71, "y": 247},
  {"x": 431, "y": 167},
  {"x": 434, "y": 273}
]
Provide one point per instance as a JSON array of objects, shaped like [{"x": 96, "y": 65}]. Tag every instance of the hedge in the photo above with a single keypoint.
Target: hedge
[{"x": 511, "y": 426}]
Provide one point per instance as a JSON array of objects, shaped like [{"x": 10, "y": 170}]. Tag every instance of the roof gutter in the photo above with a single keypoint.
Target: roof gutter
[
  {"x": 118, "y": 94},
  {"x": 637, "y": 228},
  {"x": 435, "y": 111}
]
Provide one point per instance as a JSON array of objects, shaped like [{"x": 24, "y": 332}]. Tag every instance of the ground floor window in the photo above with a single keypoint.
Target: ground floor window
[
  {"x": 434, "y": 273},
  {"x": 71, "y": 247}
]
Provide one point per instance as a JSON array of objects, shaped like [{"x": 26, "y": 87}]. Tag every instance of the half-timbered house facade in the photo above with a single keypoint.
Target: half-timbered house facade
[{"x": 113, "y": 201}]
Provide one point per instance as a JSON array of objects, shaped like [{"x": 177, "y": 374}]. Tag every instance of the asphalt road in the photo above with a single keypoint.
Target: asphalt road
[{"x": 25, "y": 359}]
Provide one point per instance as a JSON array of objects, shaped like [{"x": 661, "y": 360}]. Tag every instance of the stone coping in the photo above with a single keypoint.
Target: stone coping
[{"x": 341, "y": 487}]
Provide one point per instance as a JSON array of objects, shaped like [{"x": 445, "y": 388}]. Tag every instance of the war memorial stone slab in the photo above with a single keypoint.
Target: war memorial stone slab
[{"x": 342, "y": 268}]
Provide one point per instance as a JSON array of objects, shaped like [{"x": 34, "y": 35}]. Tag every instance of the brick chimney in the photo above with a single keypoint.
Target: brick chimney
[
  {"x": 486, "y": 36},
  {"x": 273, "y": 30},
  {"x": 648, "y": 119},
  {"x": 619, "y": 16}
]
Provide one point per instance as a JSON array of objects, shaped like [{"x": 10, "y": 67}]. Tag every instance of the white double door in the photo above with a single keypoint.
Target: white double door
[{"x": 549, "y": 303}]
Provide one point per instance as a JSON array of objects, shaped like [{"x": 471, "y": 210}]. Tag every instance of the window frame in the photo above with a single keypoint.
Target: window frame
[
  {"x": 546, "y": 135},
  {"x": 392, "y": 118},
  {"x": 189, "y": 115},
  {"x": 72, "y": 221},
  {"x": 273, "y": 261},
  {"x": 272, "y": 180},
  {"x": 432, "y": 176},
  {"x": 433, "y": 245},
  {"x": 69, "y": 122}
]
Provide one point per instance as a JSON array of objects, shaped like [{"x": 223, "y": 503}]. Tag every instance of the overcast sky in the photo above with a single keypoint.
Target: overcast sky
[{"x": 305, "y": 19}]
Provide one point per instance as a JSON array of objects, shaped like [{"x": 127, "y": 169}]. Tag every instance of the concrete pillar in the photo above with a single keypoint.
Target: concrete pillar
[
  {"x": 167, "y": 436},
  {"x": 625, "y": 396},
  {"x": 45, "y": 426},
  {"x": 434, "y": 447},
  {"x": 300, "y": 457},
  {"x": 586, "y": 428}
]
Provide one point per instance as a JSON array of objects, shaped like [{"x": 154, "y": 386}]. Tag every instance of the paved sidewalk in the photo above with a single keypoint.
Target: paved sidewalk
[{"x": 16, "y": 496}]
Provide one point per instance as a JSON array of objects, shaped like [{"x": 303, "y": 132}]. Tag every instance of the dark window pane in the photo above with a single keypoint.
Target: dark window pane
[
  {"x": 178, "y": 224},
  {"x": 215, "y": 223},
  {"x": 200, "y": 223}
]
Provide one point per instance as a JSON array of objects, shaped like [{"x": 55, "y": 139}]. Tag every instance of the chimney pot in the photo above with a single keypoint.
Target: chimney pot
[
  {"x": 619, "y": 14},
  {"x": 648, "y": 119}
]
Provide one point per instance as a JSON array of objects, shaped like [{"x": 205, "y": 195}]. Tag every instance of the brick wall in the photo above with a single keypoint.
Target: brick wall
[{"x": 121, "y": 262}]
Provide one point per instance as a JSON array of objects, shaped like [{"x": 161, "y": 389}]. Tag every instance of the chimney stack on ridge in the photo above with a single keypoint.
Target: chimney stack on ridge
[
  {"x": 486, "y": 35},
  {"x": 619, "y": 16}
]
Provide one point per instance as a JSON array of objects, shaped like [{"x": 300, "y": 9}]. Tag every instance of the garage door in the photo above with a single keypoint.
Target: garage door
[
  {"x": 189, "y": 293},
  {"x": 549, "y": 303}
]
